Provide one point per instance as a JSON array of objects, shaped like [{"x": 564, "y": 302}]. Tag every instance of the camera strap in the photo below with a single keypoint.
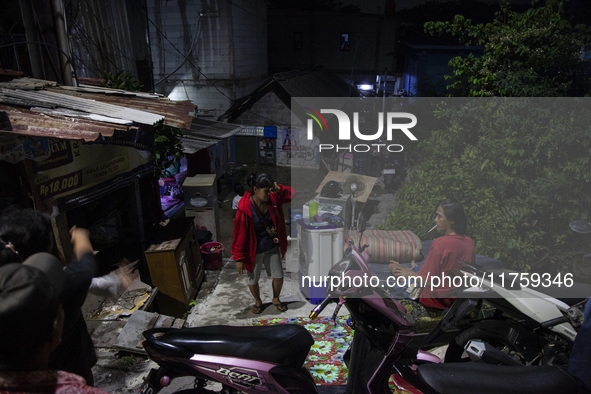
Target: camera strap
[{"x": 271, "y": 230}]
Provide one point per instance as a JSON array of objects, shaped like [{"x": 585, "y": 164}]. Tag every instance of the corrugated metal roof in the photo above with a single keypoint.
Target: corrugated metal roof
[
  {"x": 48, "y": 99},
  {"x": 42, "y": 108},
  {"x": 211, "y": 128},
  {"x": 27, "y": 83},
  {"x": 176, "y": 113},
  {"x": 27, "y": 122},
  {"x": 204, "y": 133}
]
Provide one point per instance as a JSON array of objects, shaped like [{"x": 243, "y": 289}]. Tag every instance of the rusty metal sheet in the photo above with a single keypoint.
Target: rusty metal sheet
[
  {"x": 27, "y": 83},
  {"x": 27, "y": 122},
  {"x": 86, "y": 88},
  {"x": 42, "y": 108},
  {"x": 44, "y": 97},
  {"x": 72, "y": 113},
  {"x": 175, "y": 113}
]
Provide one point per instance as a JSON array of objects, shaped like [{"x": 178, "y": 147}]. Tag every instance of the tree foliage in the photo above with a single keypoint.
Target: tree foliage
[
  {"x": 526, "y": 54},
  {"x": 121, "y": 80},
  {"x": 167, "y": 146},
  {"x": 521, "y": 167},
  {"x": 167, "y": 139}
]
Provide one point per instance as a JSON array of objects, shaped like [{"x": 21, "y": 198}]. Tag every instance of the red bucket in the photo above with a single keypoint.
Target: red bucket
[{"x": 212, "y": 255}]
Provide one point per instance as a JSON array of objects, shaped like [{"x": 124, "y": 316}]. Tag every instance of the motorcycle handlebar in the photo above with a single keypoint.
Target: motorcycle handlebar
[
  {"x": 554, "y": 322},
  {"x": 320, "y": 307}
]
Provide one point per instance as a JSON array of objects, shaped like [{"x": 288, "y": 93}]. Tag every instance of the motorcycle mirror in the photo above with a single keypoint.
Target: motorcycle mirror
[
  {"x": 580, "y": 226},
  {"x": 361, "y": 223}
]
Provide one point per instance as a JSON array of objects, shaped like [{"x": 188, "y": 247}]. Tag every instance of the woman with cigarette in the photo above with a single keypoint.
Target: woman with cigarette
[{"x": 445, "y": 254}]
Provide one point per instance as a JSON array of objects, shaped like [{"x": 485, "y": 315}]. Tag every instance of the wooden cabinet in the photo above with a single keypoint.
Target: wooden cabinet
[{"x": 176, "y": 269}]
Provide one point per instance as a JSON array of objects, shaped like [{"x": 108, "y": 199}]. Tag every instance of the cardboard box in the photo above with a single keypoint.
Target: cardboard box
[
  {"x": 200, "y": 191},
  {"x": 343, "y": 178}
]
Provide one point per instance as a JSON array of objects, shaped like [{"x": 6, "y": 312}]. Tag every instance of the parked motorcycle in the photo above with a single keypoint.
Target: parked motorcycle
[
  {"x": 492, "y": 371},
  {"x": 470, "y": 378},
  {"x": 518, "y": 326},
  {"x": 382, "y": 327},
  {"x": 528, "y": 324},
  {"x": 271, "y": 358}
]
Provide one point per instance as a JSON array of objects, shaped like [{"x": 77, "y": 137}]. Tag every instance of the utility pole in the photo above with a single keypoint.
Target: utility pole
[
  {"x": 32, "y": 36},
  {"x": 59, "y": 20}
]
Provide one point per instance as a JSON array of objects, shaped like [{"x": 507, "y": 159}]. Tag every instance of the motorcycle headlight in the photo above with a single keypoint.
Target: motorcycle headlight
[{"x": 341, "y": 267}]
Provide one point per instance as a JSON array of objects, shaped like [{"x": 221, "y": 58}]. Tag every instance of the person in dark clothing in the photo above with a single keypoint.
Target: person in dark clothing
[
  {"x": 579, "y": 364},
  {"x": 23, "y": 232},
  {"x": 26, "y": 232},
  {"x": 29, "y": 289},
  {"x": 76, "y": 352}
]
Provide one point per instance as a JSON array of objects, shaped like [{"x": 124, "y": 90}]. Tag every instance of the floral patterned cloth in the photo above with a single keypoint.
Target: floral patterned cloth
[{"x": 325, "y": 359}]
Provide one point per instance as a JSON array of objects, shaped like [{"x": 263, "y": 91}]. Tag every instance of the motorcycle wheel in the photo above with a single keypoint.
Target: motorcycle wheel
[{"x": 455, "y": 351}]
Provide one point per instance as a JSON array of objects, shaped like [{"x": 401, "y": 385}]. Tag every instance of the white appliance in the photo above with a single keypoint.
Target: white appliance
[{"x": 321, "y": 246}]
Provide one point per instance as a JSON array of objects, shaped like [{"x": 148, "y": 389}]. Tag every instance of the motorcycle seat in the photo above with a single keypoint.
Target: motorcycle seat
[
  {"x": 570, "y": 295},
  {"x": 469, "y": 378},
  {"x": 286, "y": 344}
]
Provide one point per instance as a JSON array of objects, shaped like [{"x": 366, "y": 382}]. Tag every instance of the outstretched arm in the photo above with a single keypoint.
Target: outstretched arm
[{"x": 80, "y": 238}]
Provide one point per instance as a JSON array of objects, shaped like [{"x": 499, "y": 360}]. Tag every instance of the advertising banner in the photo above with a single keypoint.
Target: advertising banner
[{"x": 74, "y": 167}]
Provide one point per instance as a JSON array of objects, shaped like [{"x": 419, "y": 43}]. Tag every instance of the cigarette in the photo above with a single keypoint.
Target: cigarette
[{"x": 433, "y": 228}]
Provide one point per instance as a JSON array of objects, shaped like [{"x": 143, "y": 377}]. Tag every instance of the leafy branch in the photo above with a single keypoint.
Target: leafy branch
[
  {"x": 121, "y": 80},
  {"x": 167, "y": 146}
]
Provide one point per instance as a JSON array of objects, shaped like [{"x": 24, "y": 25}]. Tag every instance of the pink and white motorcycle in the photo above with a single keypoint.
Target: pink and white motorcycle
[{"x": 271, "y": 358}]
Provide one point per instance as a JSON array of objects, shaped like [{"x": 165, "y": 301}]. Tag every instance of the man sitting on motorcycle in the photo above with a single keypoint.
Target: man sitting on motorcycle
[{"x": 444, "y": 256}]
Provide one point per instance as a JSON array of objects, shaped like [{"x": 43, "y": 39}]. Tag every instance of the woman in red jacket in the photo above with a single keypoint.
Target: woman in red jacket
[{"x": 259, "y": 237}]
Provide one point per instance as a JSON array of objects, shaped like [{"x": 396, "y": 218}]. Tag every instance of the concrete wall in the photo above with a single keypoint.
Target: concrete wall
[
  {"x": 301, "y": 39},
  {"x": 208, "y": 51}
]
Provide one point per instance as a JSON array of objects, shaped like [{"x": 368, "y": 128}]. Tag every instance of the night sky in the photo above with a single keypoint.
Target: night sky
[{"x": 377, "y": 6}]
